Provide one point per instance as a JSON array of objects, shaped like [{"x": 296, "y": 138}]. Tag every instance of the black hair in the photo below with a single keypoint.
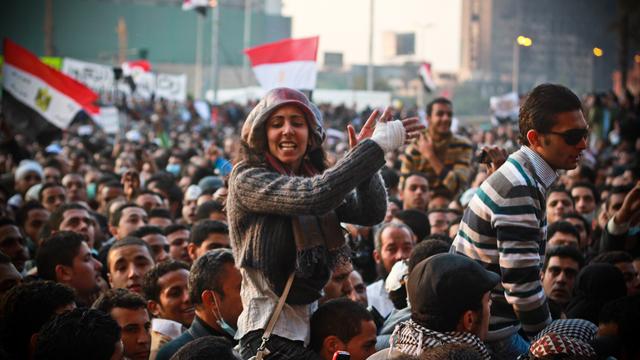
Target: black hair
[
  {"x": 23, "y": 213},
  {"x": 207, "y": 208},
  {"x": 425, "y": 249},
  {"x": 625, "y": 313},
  {"x": 557, "y": 189},
  {"x": 564, "y": 227},
  {"x": 59, "y": 249},
  {"x": 48, "y": 185},
  {"x": 57, "y": 216},
  {"x": 337, "y": 317},
  {"x": 563, "y": 251},
  {"x": 146, "y": 230},
  {"x": 541, "y": 106},
  {"x": 207, "y": 273},
  {"x": 451, "y": 351},
  {"x": 205, "y": 348},
  {"x": 612, "y": 257},
  {"x": 438, "y": 100},
  {"x": 25, "y": 308},
  {"x": 390, "y": 177},
  {"x": 173, "y": 228},
  {"x": 150, "y": 287},
  {"x": 406, "y": 177},
  {"x": 117, "y": 215},
  {"x": 160, "y": 213},
  {"x": 129, "y": 241},
  {"x": 417, "y": 220},
  {"x": 78, "y": 334},
  {"x": 586, "y": 224},
  {"x": 204, "y": 228},
  {"x": 119, "y": 298},
  {"x": 590, "y": 186}
]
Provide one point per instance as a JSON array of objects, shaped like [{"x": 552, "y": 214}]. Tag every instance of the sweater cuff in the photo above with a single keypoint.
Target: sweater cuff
[{"x": 617, "y": 229}]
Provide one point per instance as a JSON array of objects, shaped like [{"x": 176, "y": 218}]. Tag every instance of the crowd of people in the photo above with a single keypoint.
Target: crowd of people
[{"x": 282, "y": 229}]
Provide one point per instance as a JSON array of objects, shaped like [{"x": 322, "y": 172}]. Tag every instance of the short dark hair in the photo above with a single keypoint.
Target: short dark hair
[
  {"x": 23, "y": 213},
  {"x": 438, "y": 100},
  {"x": 563, "y": 251},
  {"x": 390, "y": 177},
  {"x": 160, "y": 213},
  {"x": 207, "y": 208},
  {"x": 425, "y": 249},
  {"x": 201, "y": 231},
  {"x": 78, "y": 334},
  {"x": 173, "y": 228},
  {"x": 48, "y": 185},
  {"x": 59, "y": 249},
  {"x": 588, "y": 185},
  {"x": 128, "y": 241},
  {"x": 25, "y": 308},
  {"x": 57, "y": 216},
  {"x": 612, "y": 257},
  {"x": 451, "y": 351},
  {"x": 146, "y": 230},
  {"x": 557, "y": 189},
  {"x": 405, "y": 177},
  {"x": 150, "y": 287},
  {"x": 207, "y": 272},
  {"x": 586, "y": 224},
  {"x": 148, "y": 192},
  {"x": 564, "y": 227},
  {"x": 541, "y": 106},
  {"x": 119, "y": 298},
  {"x": 417, "y": 220},
  {"x": 625, "y": 312},
  {"x": 205, "y": 348},
  {"x": 117, "y": 215},
  {"x": 338, "y": 317}
]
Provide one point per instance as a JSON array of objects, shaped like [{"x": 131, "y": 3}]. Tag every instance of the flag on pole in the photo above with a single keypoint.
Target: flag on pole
[
  {"x": 286, "y": 63},
  {"x": 52, "y": 94},
  {"x": 427, "y": 77}
]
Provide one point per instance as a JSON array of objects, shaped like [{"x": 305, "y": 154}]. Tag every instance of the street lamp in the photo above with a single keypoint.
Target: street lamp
[
  {"x": 597, "y": 52},
  {"x": 520, "y": 41}
]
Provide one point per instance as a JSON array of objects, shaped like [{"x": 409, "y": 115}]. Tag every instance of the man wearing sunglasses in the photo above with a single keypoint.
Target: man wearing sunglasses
[{"x": 504, "y": 226}]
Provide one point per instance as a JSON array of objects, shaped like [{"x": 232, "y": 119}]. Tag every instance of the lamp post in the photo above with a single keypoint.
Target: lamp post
[
  {"x": 520, "y": 41},
  {"x": 597, "y": 52}
]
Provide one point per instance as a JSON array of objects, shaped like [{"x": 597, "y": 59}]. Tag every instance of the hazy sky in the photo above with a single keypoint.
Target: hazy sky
[{"x": 343, "y": 26}]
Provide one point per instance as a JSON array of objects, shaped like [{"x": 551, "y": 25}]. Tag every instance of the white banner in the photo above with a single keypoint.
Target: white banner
[
  {"x": 171, "y": 87},
  {"x": 98, "y": 78},
  {"x": 145, "y": 85},
  {"x": 504, "y": 107},
  {"x": 108, "y": 119}
]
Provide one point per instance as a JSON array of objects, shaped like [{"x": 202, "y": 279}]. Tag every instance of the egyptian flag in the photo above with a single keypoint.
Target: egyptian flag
[
  {"x": 37, "y": 98},
  {"x": 286, "y": 63},
  {"x": 427, "y": 77}
]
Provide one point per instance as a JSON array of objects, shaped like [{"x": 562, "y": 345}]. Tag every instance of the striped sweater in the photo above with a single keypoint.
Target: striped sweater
[
  {"x": 504, "y": 229},
  {"x": 455, "y": 152}
]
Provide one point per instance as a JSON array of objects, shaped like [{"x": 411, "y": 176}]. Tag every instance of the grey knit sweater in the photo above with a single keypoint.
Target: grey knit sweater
[{"x": 261, "y": 202}]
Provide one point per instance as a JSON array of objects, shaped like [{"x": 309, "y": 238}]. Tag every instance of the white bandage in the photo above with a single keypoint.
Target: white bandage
[{"x": 389, "y": 135}]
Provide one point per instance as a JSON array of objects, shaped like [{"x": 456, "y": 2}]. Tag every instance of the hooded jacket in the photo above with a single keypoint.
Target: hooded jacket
[{"x": 262, "y": 202}]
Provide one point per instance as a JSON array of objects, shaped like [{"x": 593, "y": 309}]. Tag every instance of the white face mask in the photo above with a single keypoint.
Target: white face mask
[{"x": 220, "y": 320}]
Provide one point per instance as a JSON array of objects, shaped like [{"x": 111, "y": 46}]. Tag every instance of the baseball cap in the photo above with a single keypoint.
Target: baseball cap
[{"x": 446, "y": 282}]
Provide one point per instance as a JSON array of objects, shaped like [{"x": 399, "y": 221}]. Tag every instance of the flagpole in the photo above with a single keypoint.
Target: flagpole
[
  {"x": 197, "y": 84},
  {"x": 370, "y": 65},
  {"x": 246, "y": 41},
  {"x": 215, "y": 44}
]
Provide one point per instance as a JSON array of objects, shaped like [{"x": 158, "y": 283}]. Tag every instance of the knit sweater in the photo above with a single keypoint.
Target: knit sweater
[
  {"x": 454, "y": 152},
  {"x": 261, "y": 202},
  {"x": 504, "y": 229}
]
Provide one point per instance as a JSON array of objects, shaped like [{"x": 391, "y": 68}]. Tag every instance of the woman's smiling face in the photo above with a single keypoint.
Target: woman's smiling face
[{"x": 288, "y": 135}]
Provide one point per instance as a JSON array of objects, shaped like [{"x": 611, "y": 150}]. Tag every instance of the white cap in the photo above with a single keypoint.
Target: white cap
[{"x": 193, "y": 192}]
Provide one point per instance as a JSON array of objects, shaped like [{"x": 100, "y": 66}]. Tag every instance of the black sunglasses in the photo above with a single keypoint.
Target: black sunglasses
[{"x": 573, "y": 136}]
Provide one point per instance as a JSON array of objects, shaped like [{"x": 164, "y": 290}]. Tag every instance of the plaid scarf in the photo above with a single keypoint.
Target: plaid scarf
[{"x": 411, "y": 338}]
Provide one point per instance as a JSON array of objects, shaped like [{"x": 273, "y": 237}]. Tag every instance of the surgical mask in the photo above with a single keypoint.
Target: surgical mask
[
  {"x": 220, "y": 321},
  {"x": 91, "y": 190},
  {"x": 173, "y": 169}
]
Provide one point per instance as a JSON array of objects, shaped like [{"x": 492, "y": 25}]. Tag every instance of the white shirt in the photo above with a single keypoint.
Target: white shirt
[
  {"x": 258, "y": 303},
  {"x": 379, "y": 298}
]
